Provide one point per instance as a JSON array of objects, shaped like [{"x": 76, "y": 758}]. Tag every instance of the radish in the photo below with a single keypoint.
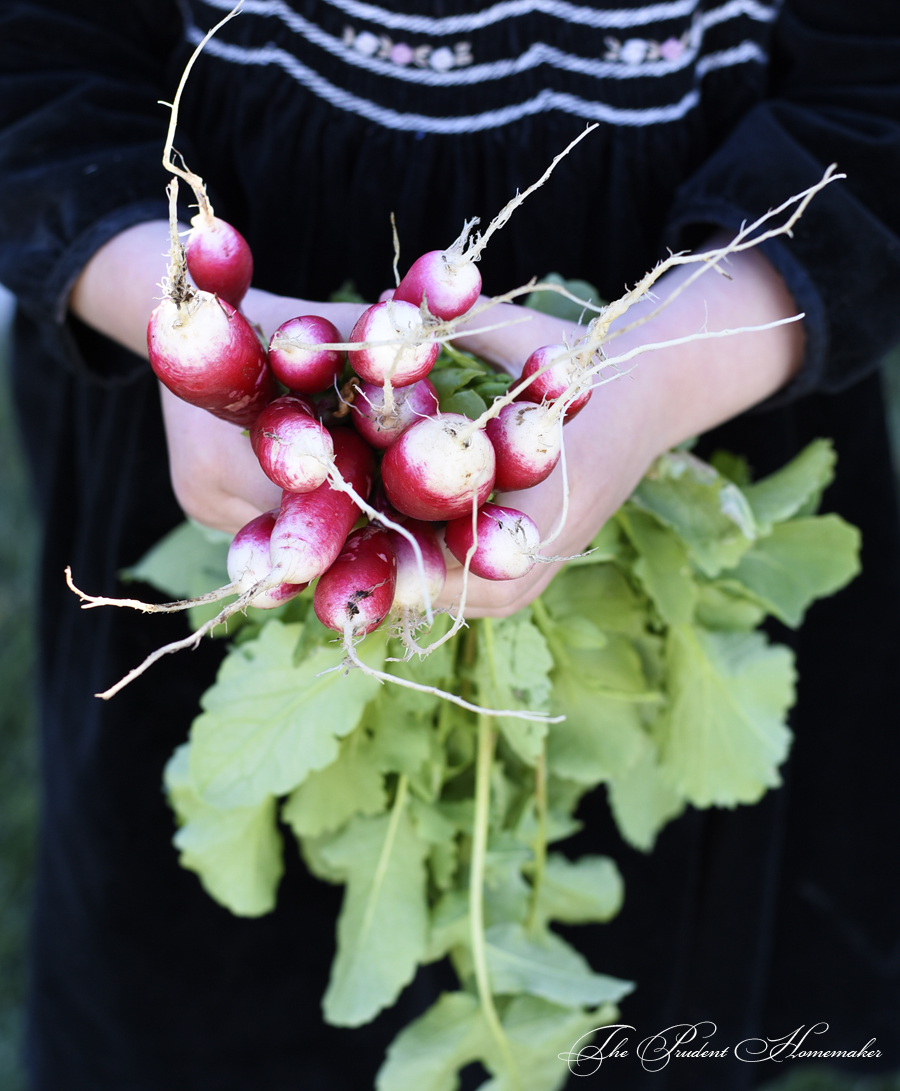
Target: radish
[
  {"x": 293, "y": 448},
  {"x": 526, "y": 440},
  {"x": 565, "y": 376},
  {"x": 356, "y": 592},
  {"x": 297, "y": 361},
  {"x": 410, "y": 403},
  {"x": 204, "y": 350},
  {"x": 218, "y": 257},
  {"x": 248, "y": 562},
  {"x": 447, "y": 281},
  {"x": 312, "y": 526},
  {"x": 409, "y": 603},
  {"x": 435, "y": 467},
  {"x": 404, "y": 357},
  {"x": 508, "y": 541}
]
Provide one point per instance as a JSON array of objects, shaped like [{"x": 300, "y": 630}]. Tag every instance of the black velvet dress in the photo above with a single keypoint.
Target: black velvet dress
[{"x": 312, "y": 121}]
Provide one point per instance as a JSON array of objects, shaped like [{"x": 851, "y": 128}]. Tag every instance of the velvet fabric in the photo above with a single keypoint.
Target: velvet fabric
[{"x": 760, "y": 919}]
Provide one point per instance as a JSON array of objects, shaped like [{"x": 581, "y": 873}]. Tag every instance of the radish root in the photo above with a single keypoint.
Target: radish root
[
  {"x": 90, "y": 601},
  {"x": 383, "y": 676}
]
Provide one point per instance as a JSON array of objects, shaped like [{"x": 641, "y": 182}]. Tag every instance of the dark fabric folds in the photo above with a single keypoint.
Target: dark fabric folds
[{"x": 762, "y": 918}]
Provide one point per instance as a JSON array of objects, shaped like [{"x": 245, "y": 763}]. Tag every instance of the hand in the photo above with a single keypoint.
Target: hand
[
  {"x": 671, "y": 395},
  {"x": 215, "y": 475}
]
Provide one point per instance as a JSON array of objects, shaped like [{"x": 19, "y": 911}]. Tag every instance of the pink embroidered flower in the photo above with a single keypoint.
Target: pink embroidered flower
[
  {"x": 671, "y": 49},
  {"x": 401, "y": 53}
]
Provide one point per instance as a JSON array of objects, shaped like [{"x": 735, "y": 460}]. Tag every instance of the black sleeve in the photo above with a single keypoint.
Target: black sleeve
[
  {"x": 81, "y": 135},
  {"x": 834, "y": 97}
]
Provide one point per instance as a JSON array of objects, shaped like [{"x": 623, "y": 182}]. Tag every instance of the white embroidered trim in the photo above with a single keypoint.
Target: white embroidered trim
[
  {"x": 543, "y": 102},
  {"x": 635, "y": 62},
  {"x": 506, "y": 9}
]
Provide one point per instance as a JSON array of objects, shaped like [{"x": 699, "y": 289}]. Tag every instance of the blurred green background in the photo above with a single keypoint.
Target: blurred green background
[{"x": 18, "y": 544}]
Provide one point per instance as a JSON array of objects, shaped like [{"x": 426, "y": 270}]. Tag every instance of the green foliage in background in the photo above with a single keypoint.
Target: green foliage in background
[{"x": 18, "y": 759}]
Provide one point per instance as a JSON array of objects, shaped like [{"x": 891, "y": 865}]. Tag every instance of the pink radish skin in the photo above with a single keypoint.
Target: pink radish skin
[
  {"x": 248, "y": 562},
  {"x": 219, "y": 259},
  {"x": 293, "y": 449},
  {"x": 380, "y": 429},
  {"x": 296, "y": 360},
  {"x": 508, "y": 542},
  {"x": 448, "y": 285},
  {"x": 555, "y": 381},
  {"x": 430, "y": 473},
  {"x": 312, "y": 526},
  {"x": 408, "y": 600},
  {"x": 402, "y": 364},
  {"x": 207, "y": 354},
  {"x": 358, "y": 589},
  {"x": 526, "y": 440}
]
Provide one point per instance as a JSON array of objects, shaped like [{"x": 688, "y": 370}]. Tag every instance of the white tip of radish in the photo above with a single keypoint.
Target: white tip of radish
[
  {"x": 409, "y": 600},
  {"x": 248, "y": 562},
  {"x": 409, "y": 358},
  {"x": 508, "y": 541}
]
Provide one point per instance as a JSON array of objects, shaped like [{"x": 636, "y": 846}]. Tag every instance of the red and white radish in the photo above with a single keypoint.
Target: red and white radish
[
  {"x": 380, "y": 427},
  {"x": 296, "y": 359},
  {"x": 219, "y": 258},
  {"x": 526, "y": 439},
  {"x": 356, "y": 592},
  {"x": 446, "y": 280},
  {"x": 293, "y": 448},
  {"x": 433, "y": 469},
  {"x": 409, "y": 602},
  {"x": 398, "y": 351},
  {"x": 567, "y": 375},
  {"x": 207, "y": 354},
  {"x": 312, "y": 526},
  {"x": 248, "y": 563},
  {"x": 508, "y": 541},
  {"x": 204, "y": 350}
]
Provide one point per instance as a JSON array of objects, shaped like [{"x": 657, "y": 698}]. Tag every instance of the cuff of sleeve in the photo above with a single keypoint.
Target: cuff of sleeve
[
  {"x": 842, "y": 263},
  {"x": 79, "y": 348},
  {"x": 697, "y": 219}
]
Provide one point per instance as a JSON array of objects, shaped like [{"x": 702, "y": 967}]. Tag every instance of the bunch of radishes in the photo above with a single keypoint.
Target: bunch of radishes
[{"x": 437, "y": 470}]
